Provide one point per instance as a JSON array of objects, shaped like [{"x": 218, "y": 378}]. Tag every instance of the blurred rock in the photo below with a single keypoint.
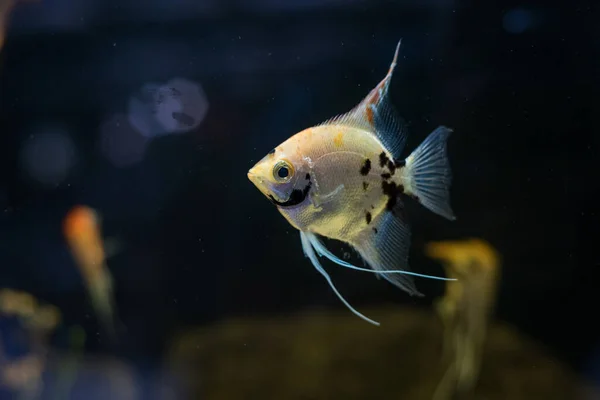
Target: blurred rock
[
  {"x": 338, "y": 356},
  {"x": 89, "y": 377}
]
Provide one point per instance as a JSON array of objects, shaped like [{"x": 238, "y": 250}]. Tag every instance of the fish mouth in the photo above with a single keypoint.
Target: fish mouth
[
  {"x": 258, "y": 181},
  {"x": 254, "y": 178},
  {"x": 295, "y": 198}
]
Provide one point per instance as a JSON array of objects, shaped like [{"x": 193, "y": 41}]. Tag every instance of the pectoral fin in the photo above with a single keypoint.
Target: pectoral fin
[
  {"x": 310, "y": 253},
  {"x": 319, "y": 200}
]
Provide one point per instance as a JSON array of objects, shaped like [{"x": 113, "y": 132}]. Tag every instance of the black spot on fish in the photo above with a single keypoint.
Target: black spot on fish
[
  {"x": 400, "y": 163},
  {"x": 296, "y": 197},
  {"x": 368, "y": 217},
  {"x": 375, "y": 230},
  {"x": 392, "y": 191},
  {"x": 366, "y": 167},
  {"x": 391, "y": 166},
  {"x": 307, "y": 177},
  {"x": 365, "y": 186},
  {"x": 272, "y": 152},
  {"x": 386, "y": 175},
  {"x": 389, "y": 188},
  {"x": 383, "y": 159}
]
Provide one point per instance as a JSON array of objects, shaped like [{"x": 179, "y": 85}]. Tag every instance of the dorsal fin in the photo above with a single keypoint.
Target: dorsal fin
[{"x": 375, "y": 114}]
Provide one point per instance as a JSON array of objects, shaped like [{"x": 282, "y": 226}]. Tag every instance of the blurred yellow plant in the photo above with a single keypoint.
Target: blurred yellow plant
[{"x": 465, "y": 309}]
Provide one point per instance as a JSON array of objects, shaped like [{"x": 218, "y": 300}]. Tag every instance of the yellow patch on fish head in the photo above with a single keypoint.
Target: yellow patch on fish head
[{"x": 338, "y": 139}]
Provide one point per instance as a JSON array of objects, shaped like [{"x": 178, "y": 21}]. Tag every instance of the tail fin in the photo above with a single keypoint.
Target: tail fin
[{"x": 428, "y": 174}]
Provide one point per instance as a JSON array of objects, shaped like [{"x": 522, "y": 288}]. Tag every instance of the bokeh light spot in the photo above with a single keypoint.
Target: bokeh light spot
[
  {"x": 175, "y": 107},
  {"x": 517, "y": 20},
  {"x": 48, "y": 155}
]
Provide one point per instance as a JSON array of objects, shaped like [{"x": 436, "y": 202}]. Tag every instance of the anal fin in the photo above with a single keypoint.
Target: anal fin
[{"x": 385, "y": 244}]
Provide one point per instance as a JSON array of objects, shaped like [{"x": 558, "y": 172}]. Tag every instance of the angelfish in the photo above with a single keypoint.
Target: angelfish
[{"x": 344, "y": 179}]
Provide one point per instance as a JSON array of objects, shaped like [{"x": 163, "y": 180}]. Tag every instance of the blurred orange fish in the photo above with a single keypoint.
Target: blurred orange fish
[{"x": 81, "y": 228}]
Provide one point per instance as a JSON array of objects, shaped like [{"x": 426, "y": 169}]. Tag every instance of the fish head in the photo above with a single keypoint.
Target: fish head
[
  {"x": 80, "y": 221},
  {"x": 282, "y": 176}
]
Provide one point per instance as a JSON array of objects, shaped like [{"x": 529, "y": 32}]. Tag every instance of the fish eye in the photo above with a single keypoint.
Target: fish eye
[{"x": 283, "y": 171}]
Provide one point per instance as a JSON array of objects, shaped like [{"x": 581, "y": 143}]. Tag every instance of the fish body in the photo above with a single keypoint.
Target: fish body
[
  {"x": 327, "y": 160},
  {"x": 344, "y": 179},
  {"x": 81, "y": 228}
]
